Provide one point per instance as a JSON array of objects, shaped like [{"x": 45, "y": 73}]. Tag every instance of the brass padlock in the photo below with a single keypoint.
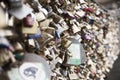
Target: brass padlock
[{"x": 30, "y": 30}]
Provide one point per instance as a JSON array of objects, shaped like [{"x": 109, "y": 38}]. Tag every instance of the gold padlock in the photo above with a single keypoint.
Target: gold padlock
[{"x": 30, "y": 30}]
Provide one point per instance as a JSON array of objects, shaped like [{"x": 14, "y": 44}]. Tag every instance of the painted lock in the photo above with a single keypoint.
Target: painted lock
[
  {"x": 14, "y": 3},
  {"x": 28, "y": 21}
]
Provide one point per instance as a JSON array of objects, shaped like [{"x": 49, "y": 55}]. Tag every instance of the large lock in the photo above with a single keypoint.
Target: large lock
[
  {"x": 14, "y": 3},
  {"x": 30, "y": 30},
  {"x": 3, "y": 17}
]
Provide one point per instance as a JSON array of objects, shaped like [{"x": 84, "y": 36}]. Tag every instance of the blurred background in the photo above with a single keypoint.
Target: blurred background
[{"x": 114, "y": 7}]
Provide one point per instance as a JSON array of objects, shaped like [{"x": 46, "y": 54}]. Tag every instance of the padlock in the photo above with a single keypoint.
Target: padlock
[
  {"x": 50, "y": 30},
  {"x": 35, "y": 36},
  {"x": 91, "y": 10},
  {"x": 80, "y": 13},
  {"x": 40, "y": 16},
  {"x": 80, "y": 53},
  {"x": 66, "y": 43},
  {"x": 45, "y": 12},
  {"x": 56, "y": 18},
  {"x": 38, "y": 64},
  {"x": 45, "y": 24},
  {"x": 68, "y": 15},
  {"x": 5, "y": 44},
  {"x": 45, "y": 39},
  {"x": 35, "y": 5},
  {"x": 63, "y": 24},
  {"x": 57, "y": 36},
  {"x": 20, "y": 12},
  {"x": 19, "y": 55},
  {"x": 3, "y": 17},
  {"x": 60, "y": 29},
  {"x": 28, "y": 21},
  {"x": 75, "y": 28},
  {"x": 14, "y": 3},
  {"x": 91, "y": 21},
  {"x": 7, "y": 32},
  {"x": 30, "y": 30},
  {"x": 73, "y": 76},
  {"x": 4, "y": 57},
  {"x": 49, "y": 9}
]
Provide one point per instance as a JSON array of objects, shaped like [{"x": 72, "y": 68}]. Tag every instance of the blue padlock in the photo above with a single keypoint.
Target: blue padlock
[{"x": 91, "y": 21}]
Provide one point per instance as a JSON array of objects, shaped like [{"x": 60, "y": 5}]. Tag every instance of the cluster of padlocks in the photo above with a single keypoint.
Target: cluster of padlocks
[{"x": 56, "y": 40}]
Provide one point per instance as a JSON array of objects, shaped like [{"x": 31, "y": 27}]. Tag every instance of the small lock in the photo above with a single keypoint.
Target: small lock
[
  {"x": 75, "y": 28},
  {"x": 35, "y": 5},
  {"x": 64, "y": 25},
  {"x": 57, "y": 36},
  {"x": 45, "y": 24},
  {"x": 91, "y": 21},
  {"x": 45, "y": 39},
  {"x": 88, "y": 37},
  {"x": 49, "y": 9},
  {"x": 3, "y": 17},
  {"x": 28, "y": 21},
  {"x": 4, "y": 57},
  {"x": 80, "y": 13},
  {"x": 73, "y": 76},
  {"x": 56, "y": 17},
  {"x": 40, "y": 16},
  {"x": 91, "y": 10},
  {"x": 50, "y": 30},
  {"x": 66, "y": 43}
]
